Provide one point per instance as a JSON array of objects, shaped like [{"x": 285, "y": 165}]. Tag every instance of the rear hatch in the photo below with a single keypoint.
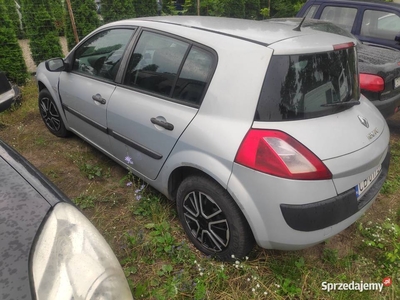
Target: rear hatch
[{"x": 314, "y": 98}]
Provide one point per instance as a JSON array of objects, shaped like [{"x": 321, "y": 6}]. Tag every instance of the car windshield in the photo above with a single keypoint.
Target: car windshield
[{"x": 308, "y": 85}]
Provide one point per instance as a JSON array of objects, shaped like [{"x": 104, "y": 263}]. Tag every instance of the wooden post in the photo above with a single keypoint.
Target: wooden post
[
  {"x": 71, "y": 16},
  {"x": 198, "y": 7}
]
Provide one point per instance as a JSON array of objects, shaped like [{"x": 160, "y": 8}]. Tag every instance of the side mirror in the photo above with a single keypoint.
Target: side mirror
[{"x": 55, "y": 65}]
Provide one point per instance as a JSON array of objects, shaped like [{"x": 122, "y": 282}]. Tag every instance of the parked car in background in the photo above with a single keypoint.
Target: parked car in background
[
  {"x": 379, "y": 67},
  {"x": 48, "y": 248},
  {"x": 372, "y": 22},
  {"x": 258, "y": 130},
  {"x": 9, "y": 93}
]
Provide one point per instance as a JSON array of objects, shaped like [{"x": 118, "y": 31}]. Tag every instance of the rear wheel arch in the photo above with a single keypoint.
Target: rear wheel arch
[{"x": 179, "y": 174}]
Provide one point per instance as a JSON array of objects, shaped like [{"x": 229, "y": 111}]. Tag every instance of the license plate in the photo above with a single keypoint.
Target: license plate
[
  {"x": 362, "y": 187},
  {"x": 396, "y": 82}
]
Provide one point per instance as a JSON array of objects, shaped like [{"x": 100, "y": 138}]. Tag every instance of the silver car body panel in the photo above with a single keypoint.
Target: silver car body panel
[
  {"x": 85, "y": 116},
  {"x": 129, "y": 115}
]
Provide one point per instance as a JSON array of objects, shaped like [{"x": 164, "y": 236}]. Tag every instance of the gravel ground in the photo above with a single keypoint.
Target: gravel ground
[{"x": 30, "y": 64}]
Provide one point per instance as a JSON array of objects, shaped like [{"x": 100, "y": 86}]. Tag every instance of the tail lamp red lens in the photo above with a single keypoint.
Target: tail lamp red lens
[
  {"x": 277, "y": 153},
  {"x": 372, "y": 83}
]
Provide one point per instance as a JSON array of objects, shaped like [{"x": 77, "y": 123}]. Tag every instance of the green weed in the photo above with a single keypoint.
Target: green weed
[{"x": 84, "y": 201}]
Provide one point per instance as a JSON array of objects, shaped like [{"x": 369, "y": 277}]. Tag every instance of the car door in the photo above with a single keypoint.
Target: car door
[
  {"x": 87, "y": 88},
  {"x": 380, "y": 27},
  {"x": 162, "y": 89}
]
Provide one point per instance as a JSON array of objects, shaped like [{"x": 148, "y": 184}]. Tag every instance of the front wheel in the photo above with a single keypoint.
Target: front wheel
[
  {"x": 212, "y": 220},
  {"x": 50, "y": 114}
]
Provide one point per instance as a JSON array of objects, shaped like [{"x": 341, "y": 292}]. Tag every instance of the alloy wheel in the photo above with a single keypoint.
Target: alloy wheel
[
  {"x": 50, "y": 114},
  {"x": 206, "y": 221}
]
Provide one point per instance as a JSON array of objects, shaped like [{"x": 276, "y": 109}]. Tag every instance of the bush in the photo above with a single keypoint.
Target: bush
[
  {"x": 252, "y": 9},
  {"x": 117, "y": 10},
  {"x": 58, "y": 13},
  {"x": 11, "y": 58},
  {"x": 145, "y": 9},
  {"x": 234, "y": 8},
  {"x": 40, "y": 29},
  {"x": 86, "y": 20},
  {"x": 14, "y": 17}
]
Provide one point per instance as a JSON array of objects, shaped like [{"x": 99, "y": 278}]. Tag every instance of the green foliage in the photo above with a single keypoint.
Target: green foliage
[
  {"x": 117, "y": 10},
  {"x": 58, "y": 13},
  {"x": 234, "y": 8},
  {"x": 392, "y": 183},
  {"x": 92, "y": 172},
  {"x": 285, "y": 8},
  {"x": 86, "y": 20},
  {"x": 252, "y": 9},
  {"x": 264, "y": 12},
  {"x": 11, "y": 59},
  {"x": 383, "y": 241},
  {"x": 207, "y": 7},
  {"x": 145, "y": 8},
  {"x": 85, "y": 201},
  {"x": 14, "y": 18},
  {"x": 41, "y": 30}
]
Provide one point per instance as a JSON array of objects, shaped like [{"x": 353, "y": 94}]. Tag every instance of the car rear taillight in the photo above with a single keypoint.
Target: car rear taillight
[
  {"x": 277, "y": 153},
  {"x": 372, "y": 83}
]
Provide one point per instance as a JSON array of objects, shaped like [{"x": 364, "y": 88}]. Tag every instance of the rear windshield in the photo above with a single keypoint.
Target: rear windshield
[{"x": 300, "y": 86}]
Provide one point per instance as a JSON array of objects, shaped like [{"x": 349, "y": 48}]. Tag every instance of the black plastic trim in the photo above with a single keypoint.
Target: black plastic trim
[
  {"x": 135, "y": 145},
  {"x": 87, "y": 120}
]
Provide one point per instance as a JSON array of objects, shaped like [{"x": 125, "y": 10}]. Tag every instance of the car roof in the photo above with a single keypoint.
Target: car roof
[{"x": 264, "y": 33}]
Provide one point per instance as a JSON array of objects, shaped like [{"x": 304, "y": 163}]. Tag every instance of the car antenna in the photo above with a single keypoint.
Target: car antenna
[{"x": 301, "y": 23}]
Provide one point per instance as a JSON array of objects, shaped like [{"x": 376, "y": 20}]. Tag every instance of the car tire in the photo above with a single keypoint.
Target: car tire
[
  {"x": 50, "y": 114},
  {"x": 212, "y": 220}
]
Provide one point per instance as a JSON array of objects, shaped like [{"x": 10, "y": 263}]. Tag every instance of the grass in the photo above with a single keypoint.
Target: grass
[{"x": 160, "y": 263}]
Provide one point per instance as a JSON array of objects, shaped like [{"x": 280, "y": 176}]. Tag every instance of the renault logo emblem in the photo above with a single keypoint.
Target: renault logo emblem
[{"x": 363, "y": 121}]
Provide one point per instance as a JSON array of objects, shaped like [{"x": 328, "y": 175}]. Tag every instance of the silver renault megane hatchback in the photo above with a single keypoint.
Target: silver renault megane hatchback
[{"x": 257, "y": 130}]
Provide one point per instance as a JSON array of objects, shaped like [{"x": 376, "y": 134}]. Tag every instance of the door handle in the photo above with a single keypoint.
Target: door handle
[
  {"x": 163, "y": 124},
  {"x": 99, "y": 99}
]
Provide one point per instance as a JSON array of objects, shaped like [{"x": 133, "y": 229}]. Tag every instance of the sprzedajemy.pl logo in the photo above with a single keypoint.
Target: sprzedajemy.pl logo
[{"x": 356, "y": 286}]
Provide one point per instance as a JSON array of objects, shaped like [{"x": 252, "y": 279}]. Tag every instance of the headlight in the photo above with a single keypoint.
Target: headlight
[{"x": 71, "y": 260}]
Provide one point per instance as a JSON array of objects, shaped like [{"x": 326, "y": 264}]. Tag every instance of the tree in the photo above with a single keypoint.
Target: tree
[
  {"x": 86, "y": 20},
  {"x": 252, "y": 9},
  {"x": 114, "y": 10},
  {"x": 145, "y": 8},
  {"x": 58, "y": 13},
  {"x": 285, "y": 8},
  {"x": 234, "y": 8},
  {"x": 11, "y": 58},
  {"x": 40, "y": 29},
  {"x": 11, "y": 7}
]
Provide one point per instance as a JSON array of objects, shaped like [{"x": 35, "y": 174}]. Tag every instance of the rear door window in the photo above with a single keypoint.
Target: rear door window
[
  {"x": 380, "y": 24},
  {"x": 195, "y": 74},
  {"x": 305, "y": 86},
  {"x": 342, "y": 16},
  {"x": 155, "y": 63},
  {"x": 170, "y": 67}
]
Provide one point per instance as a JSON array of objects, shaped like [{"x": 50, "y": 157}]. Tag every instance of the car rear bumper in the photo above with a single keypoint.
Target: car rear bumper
[
  {"x": 322, "y": 214},
  {"x": 295, "y": 214},
  {"x": 389, "y": 106}
]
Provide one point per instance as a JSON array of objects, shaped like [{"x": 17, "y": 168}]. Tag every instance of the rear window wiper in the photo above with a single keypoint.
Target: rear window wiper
[{"x": 348, "y": 103}]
